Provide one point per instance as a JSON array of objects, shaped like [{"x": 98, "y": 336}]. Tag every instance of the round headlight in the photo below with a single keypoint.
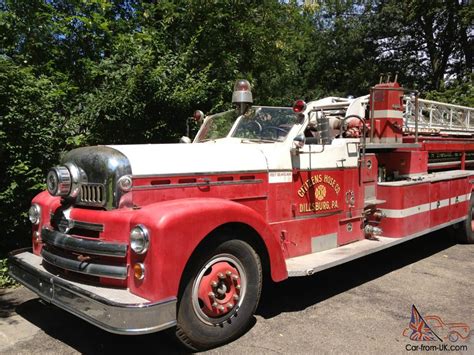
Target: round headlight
[
  {"x": 139, "y": 239},
  {"x": 34, "y": 214},
  {"x": 59, "y": 181}
]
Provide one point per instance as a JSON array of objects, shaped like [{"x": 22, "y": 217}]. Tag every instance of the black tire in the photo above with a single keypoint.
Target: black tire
[
  {"x": 202, "y": 326},
  {"x": 464, "y": 231}
]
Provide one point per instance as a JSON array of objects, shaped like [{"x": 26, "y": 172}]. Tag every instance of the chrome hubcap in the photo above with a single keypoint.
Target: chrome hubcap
[{"x": 219, "y": 289}]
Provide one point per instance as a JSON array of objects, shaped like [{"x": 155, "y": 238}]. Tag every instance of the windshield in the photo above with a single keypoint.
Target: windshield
[{"x": 263, "y": 124}]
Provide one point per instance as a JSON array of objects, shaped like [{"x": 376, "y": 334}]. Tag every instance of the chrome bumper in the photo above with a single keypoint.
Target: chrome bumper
[{"x": 115, "y": 310}]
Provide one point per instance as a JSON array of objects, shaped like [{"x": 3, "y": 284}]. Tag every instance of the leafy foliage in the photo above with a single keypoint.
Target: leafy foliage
[
  {"x": 34, "y": 129},
  {"x": 5, "y": 280},
  {"x": 425, "y": 41},
  {"x": 143, "y": 92},
  {"x": 460, "y": 92}
]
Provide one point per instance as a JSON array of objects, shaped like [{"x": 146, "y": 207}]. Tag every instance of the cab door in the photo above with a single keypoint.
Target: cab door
[{"x": 327, "y": 200}]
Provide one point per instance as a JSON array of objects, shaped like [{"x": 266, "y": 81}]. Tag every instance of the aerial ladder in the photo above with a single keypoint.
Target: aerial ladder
[{"x": 444, "y": 130}]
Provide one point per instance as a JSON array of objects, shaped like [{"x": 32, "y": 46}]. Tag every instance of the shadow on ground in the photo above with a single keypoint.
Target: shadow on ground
[
  {"x": 8, "y": 303},
  {"x": 292, "y": 295},
  {"x": 296, "y": 294}
]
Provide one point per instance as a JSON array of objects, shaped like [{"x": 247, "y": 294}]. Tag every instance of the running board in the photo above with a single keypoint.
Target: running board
[{"x": 312, "y": 263}]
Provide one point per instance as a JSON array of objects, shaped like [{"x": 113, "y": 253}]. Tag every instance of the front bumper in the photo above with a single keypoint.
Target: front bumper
[{"x": 115, "y": 310}]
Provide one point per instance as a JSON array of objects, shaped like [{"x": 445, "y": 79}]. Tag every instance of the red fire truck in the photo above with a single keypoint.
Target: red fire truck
[{"x": 139, "y": 238}]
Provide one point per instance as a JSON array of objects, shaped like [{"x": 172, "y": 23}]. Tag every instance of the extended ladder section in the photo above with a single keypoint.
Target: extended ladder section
[
  {"x": 439, "y": 117},
  {"x": 434, "y": 117}
]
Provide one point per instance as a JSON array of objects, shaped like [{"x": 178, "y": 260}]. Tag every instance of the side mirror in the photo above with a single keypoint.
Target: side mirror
[
  {"x": 197, "y": 119},
  {"x": 299, "y": 141},
  {"x": 185, "y": 139},
  {"x": 198, "y": 116}
]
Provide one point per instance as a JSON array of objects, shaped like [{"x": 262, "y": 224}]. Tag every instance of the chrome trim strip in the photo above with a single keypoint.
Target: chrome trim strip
[
  {"x": 236, "y": 172},
  {"x": 441, "y": 164},
  {"x": 313, "y": 215},
  {"x": 92, "y": 194},
  {"x": 197, "y": 184},
  {"x": 114, "y": 310},
  {"x": 96, "y": 227},
  {"x": 87, "y": 246},
  {"x": 246, "y": 198},
  {"x": 85, "y": 267},
  {"x": 325, "y": 214}
]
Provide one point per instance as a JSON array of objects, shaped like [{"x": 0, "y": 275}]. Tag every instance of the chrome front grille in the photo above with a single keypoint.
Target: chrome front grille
[
  {"x": 68, "y": 252},
  {"x": 92, "y": 195},
  {"x": 80, "y": 228}
]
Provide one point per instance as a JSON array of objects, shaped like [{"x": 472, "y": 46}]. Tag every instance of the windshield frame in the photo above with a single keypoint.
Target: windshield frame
[{"x": 199, "y": 138}]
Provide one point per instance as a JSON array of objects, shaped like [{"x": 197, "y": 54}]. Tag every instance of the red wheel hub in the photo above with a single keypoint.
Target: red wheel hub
[{"x": 219, "y": 289}]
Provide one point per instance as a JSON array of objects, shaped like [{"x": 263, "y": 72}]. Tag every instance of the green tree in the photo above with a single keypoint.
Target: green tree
[
  {"x": 265, "y": 42},
  {"x": 460, "y": 92},
  {"x": 426, "y": 41},
  {"x": 35, "y": 127},
  {"x": 342, "y": 54},
  {"x": 144, "y": 92}
]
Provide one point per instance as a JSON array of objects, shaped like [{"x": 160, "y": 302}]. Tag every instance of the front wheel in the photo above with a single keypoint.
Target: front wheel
[{"x": 220, "y": 294}]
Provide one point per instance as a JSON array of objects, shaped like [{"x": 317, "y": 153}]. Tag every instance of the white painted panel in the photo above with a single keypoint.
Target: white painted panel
[
  {"x": 442, "y": 203},
  {"x": 323, "y": 242},
  {"x": 388, "y": 114},
  {"x": 154, "y": 159},
  {"x": 339, "y": 153},
  {"x": 407, "y": 212},
  {"x": 461, "y": 198},
  {"x": 275, "y": 177}
]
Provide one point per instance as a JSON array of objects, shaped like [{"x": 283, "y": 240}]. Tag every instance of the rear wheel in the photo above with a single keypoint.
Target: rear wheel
[
  {"x": 464, "y": 231},
  {"x": 220, "y": 294}
]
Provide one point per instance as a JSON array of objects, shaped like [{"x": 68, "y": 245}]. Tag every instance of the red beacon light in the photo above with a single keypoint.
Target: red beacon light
[
  {"x": 299, "y": 106},
  {"x": 242, "y": 92},
  {"x": 242, "y": 85},
  {"x": 198, "y": 115}
]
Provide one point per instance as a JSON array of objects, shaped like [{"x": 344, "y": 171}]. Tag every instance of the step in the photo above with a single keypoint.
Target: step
[{"x": 309, "y": 264}]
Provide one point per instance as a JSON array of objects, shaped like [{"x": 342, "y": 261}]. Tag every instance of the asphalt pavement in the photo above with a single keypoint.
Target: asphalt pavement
[{"x": 362, "y": 307}]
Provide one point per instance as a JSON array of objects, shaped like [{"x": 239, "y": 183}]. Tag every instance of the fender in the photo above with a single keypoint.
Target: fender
[
  {"x": 178, "y": 226},
  {"x": 48, "y": 205}
]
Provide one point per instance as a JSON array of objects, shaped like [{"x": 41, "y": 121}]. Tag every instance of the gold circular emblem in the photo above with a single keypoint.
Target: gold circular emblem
[{"x": 320, "y": 192}]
